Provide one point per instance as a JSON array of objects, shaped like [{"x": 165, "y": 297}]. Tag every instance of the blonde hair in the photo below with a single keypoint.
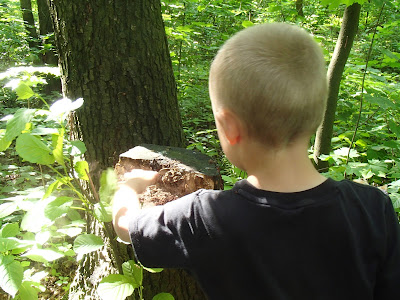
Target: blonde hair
[{"x": 273, "y": 77}]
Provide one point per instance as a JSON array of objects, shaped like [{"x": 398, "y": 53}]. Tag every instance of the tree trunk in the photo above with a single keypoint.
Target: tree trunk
[
  {"x": 299, "y": 8},
  {"x": 46, "y": 28},
  {"x": 114, "y": 54},
  {"x": 29, "y": 22},
  {"x": 344, "y": 43}
]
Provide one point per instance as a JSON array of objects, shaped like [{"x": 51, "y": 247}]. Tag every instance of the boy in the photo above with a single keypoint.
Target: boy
[{"x": 286, "y": 232}]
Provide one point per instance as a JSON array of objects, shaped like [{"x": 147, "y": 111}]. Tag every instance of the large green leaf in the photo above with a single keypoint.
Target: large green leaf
[
  {"x": 11, "y": 274},
  {"x": 7, "y": 209},
  {"x": 15, "y": 126},
  {"x": 115, "y": 287},
  {"x": 58, "y": 207},
  {"x": 108, "y": 186},
  {"x": 27, "y": 291},
  {"x": 54, "y": 186},
  {"x": 58, "y": 143},
  {"x": 24, "y": 91},
  {"x": 9, "y": 230},
  {"x": 7, "y": 244},
  {"x": 131, "y": 269},
  {"x": 77, "y": 148},
  {"x": 86, "y": 243},
  {"x": 4, "y": 144},
  {"x": 247, "y": 23},
  {"x": 34, "y": 219},
  {"x": 43, "y": 255},
  {"x": 103, "y": 212},
  {"x": 33, "y": 150},
  {"x": 82, "y": 169}
]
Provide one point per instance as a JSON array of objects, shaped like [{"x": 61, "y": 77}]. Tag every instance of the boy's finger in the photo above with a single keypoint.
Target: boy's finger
[{"x": 143, "y": 174}]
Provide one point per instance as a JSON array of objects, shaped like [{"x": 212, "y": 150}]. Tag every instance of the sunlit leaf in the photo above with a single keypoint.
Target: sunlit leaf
[
  {"x": 27, "y": 291},
  {"x": 7, "y": 244},
  {"x": 9, "y": 230},
  {"x": 78, "y": 148},
  {"x": 15, "y": 126},
  {"x": 52, "y": 187},
  {"x": 33, "y": 150},
  {"x": 58, "y": 207},
  {"x": 24, "y": 91},
  {"x": 7, "y": 209},
  {"x": 108, "y": 186},
  {"x": 86, "y": 243},
  {"x": 115, "y": 287},
  {"x": 247, "y": 23},
  {"x": 34, "y": 219},
  {"x": 82, "y": 169},
  {"x": 58, "y": 143},
  {"x": 11, "y": 274},
  {"x": 60, "y": 109},
  {"x": 43, "y": 255},
  {"x": 131, "y": 269}
]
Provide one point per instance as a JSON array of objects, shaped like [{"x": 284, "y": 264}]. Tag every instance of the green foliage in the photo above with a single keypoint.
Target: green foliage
[
  {"x": 36, "y": 221},
  {"x": 13, "y": 46},
  {"x": 40, "y": 192},
  {"x": 120, "y": 286}
]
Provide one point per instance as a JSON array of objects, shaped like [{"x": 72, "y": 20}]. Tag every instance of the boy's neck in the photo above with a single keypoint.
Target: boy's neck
[{"x": 285, "y": 170}]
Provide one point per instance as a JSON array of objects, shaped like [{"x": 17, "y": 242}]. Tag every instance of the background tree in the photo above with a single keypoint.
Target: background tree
[
  {"x": 46, "y": 32},
  {"x": 29, "y": 21},
  {"x": 343, "y": 46},
  {"x": 115, "y": 55}
]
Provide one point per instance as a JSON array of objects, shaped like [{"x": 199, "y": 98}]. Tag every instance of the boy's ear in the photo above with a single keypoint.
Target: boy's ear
[{"x": 230, "y": 125}]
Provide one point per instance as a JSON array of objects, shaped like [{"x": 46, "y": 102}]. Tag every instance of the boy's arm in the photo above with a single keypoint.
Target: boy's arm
[{"x": 126, "y": 199}]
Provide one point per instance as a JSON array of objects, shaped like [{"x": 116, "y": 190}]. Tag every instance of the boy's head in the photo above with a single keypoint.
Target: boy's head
[{"x": 273, "y": 78}]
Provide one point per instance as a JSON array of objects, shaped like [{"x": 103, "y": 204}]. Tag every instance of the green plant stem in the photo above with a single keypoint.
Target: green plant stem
[
  {"x": 44, "y": 101},
  {"x": 362, "y": 86},
  {"x": 78, "y": 183},
  {"x": 80, "y": 196}
]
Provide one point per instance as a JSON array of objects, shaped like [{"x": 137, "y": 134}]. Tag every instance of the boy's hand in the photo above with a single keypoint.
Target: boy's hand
[
  {"x": 138, "y": 180},
  {"x": 126, "y": 199}
]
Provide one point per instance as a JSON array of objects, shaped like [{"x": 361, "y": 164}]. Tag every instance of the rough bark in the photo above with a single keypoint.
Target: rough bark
[
  {"x": 181, "y": 172},
  {"x": 46, "y": 28},
  {"x": 340, "y": 55},
  {"x": 114, "y": 54},
  {"x": 29, "y": 23}
]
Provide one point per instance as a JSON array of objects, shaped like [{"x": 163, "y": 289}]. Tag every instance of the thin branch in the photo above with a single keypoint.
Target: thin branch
[
  {"x": 363, "y": 84},
  {"x": 96, "y": 195}
]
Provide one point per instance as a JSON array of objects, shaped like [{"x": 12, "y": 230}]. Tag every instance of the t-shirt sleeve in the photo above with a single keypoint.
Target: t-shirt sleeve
[
  {"x": 388, "y": 279},
  {"x": 159, "y": 234}
]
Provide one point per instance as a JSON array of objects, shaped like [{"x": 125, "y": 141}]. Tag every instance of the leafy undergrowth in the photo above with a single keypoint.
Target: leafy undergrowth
[{"x": 43, "y": 203}]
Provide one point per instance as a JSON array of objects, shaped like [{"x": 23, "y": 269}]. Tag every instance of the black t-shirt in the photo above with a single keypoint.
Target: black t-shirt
[{"x": 339, "y": 240}]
